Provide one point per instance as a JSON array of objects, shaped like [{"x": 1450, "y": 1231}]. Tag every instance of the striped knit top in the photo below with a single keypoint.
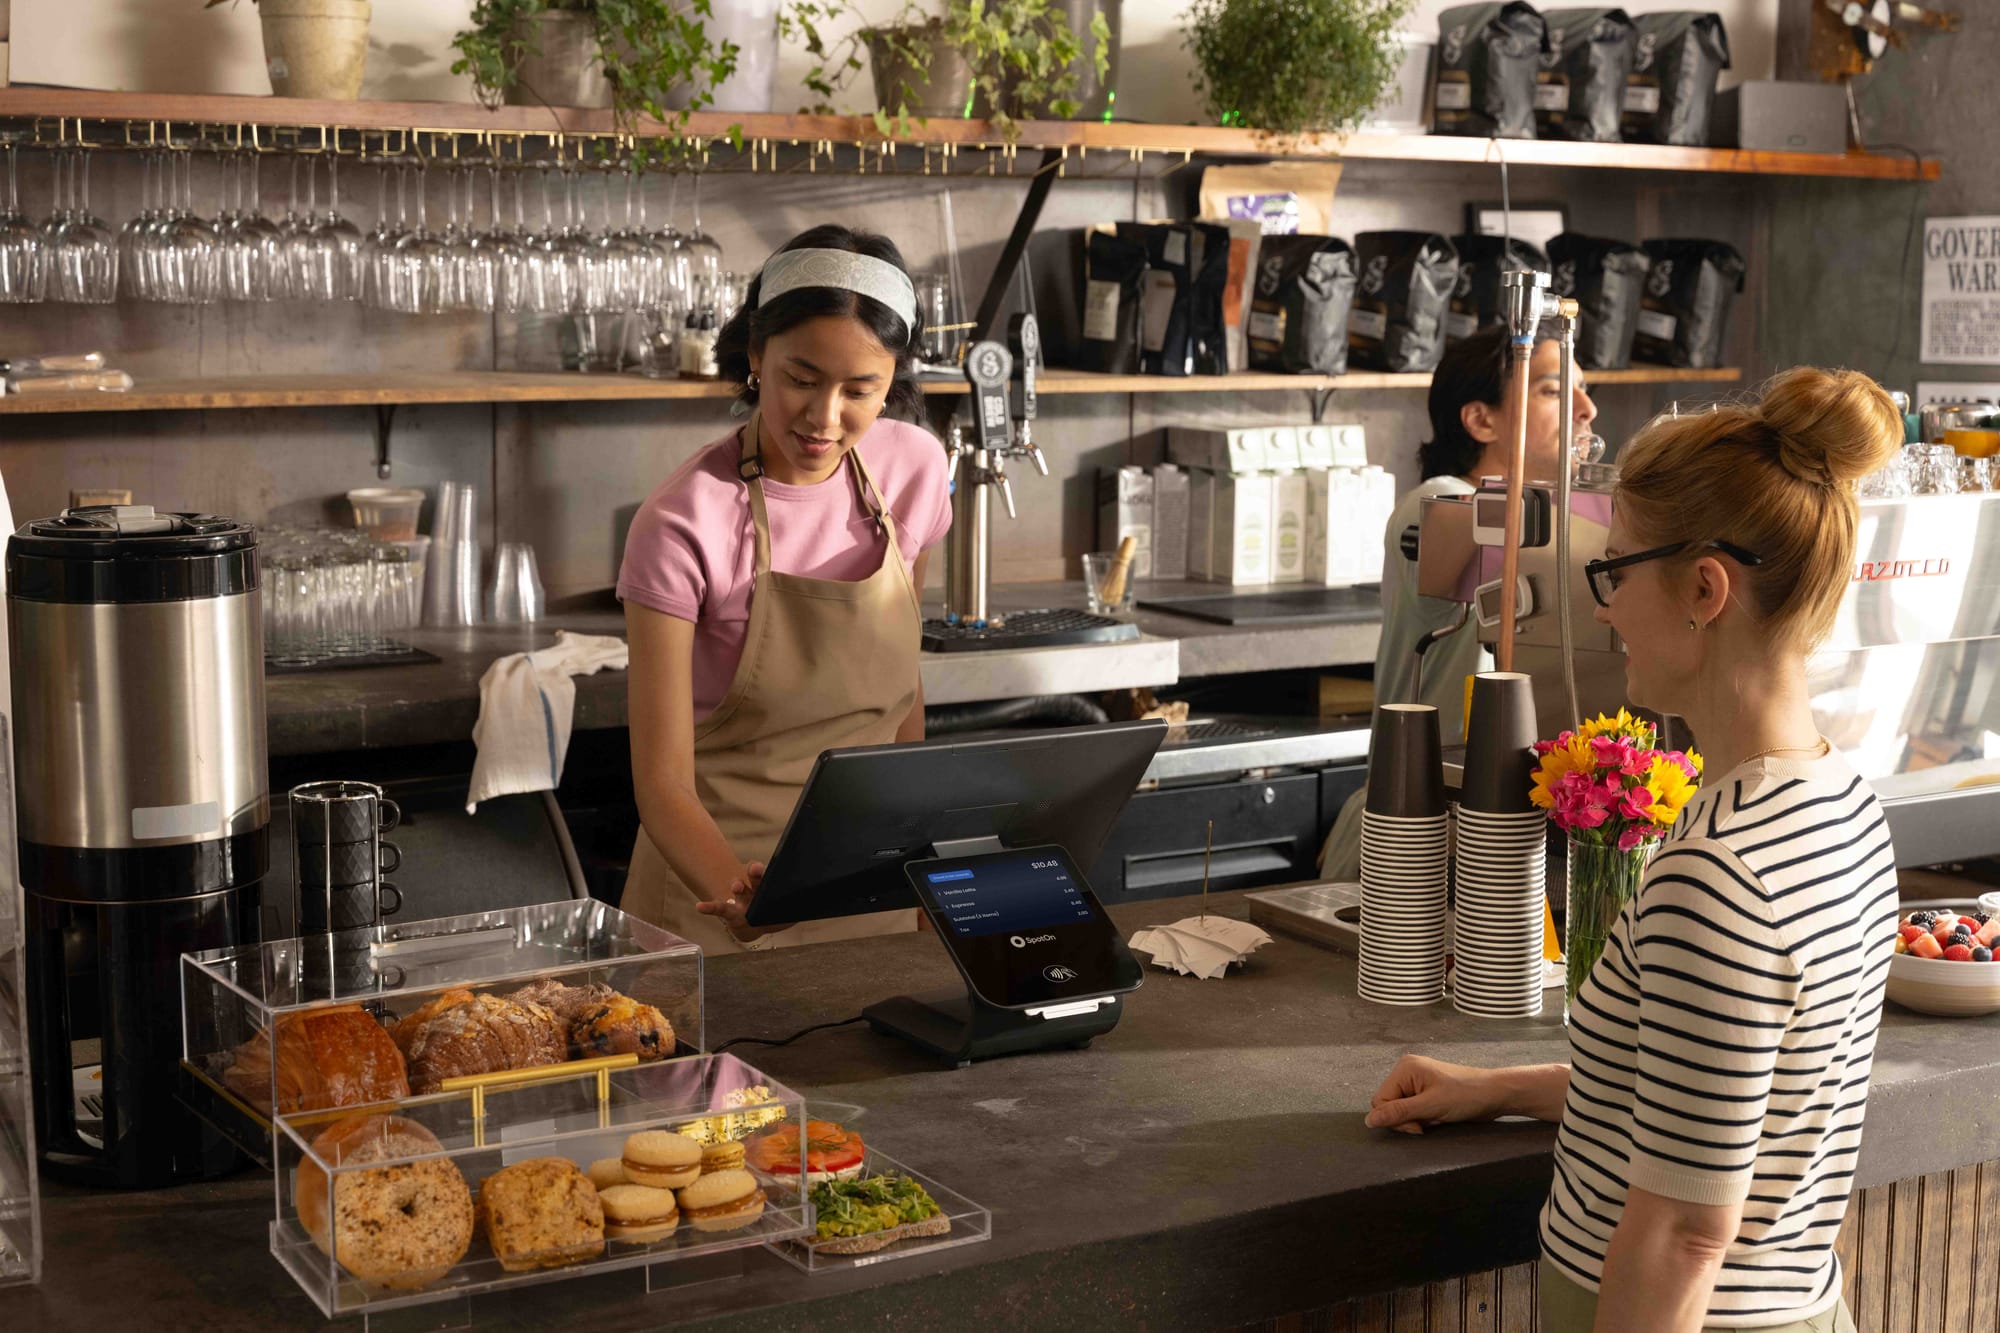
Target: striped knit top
[{"x": 1720, "y": 1049}]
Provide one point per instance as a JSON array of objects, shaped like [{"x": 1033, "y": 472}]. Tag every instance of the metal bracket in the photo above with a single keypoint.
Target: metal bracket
[
  {"x": 385, "y": 420},
  {"x": 1320, "y": 399}
]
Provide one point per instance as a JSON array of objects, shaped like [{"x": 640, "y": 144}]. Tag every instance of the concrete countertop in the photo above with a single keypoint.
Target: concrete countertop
[
  {"x": 321, "y": 711},
  {"x": 1202, "y": 1166}
]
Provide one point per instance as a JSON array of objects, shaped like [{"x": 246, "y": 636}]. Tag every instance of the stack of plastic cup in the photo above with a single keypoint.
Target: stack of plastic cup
[
  {"x": 1501, "y": 862},
  {"x": 1404, "y": 866}
]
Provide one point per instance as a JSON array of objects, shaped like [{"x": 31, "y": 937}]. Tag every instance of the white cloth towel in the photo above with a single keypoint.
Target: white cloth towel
[{"x": 527, "y": 702}]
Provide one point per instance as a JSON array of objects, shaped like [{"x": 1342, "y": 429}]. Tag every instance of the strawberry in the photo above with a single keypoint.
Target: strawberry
[
  {"x": 1926, "y": 946},
  {"x": 1907, "y": 933},
  {"x": 1958, "y": 953}
]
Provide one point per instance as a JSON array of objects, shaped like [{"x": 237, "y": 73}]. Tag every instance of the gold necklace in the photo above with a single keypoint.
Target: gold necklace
[{"x": 1819, "y": 747}]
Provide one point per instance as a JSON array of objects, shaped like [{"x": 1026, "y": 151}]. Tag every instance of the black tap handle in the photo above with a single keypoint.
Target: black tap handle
[
  {"x": 987, "y": 367},
  {"x": 1026, "y": 336}
]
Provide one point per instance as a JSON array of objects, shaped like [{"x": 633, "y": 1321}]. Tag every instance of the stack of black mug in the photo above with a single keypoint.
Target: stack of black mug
[{"x": 339, "y": 857}]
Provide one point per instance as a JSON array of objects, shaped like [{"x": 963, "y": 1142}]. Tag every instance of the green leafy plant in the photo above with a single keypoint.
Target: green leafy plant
[
  {"x": 647, "y": 48},
  {"x": 1023, "y": 55},
  {"x": 1294, "y": 65}
]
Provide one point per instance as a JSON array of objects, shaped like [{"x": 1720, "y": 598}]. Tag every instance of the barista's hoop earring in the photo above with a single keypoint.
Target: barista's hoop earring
[{"x": 754, "y": 382}]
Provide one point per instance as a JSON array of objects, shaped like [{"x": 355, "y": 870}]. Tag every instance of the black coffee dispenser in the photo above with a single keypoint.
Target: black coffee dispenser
[{"x": 144, "y": 812}]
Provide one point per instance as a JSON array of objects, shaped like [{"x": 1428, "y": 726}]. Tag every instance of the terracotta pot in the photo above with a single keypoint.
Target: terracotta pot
[
  {"x": 943, "y": 90},
  {"x": 561, "y": 67},
  {"x": 315, "y": 48}
]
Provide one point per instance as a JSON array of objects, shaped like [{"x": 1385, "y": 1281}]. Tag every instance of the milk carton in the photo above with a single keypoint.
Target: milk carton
[
  {"x": 1242, "y": 529},
  {"x": 1125, "y": 509},
  {"x": 1288, "y": 527},
  {"x": 1170, "y": 522}
]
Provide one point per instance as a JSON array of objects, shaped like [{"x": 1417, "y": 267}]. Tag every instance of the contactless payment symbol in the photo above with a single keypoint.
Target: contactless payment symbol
[{"x": 1059, "y": 972}]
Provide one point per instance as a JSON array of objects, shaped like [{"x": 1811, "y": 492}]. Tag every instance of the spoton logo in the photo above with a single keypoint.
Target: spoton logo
[{"x": 1022, "y": 942}]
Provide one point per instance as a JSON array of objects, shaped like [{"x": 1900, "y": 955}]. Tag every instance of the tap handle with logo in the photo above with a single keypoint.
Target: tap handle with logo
[{"x": 987, "y": 367}]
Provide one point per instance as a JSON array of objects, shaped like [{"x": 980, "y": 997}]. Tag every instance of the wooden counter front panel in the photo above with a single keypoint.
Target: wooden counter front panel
[{"x": 1920, "y": 1256}]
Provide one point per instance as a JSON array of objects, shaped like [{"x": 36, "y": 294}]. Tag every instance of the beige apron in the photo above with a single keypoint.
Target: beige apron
[{"x": 826, "y": 663}]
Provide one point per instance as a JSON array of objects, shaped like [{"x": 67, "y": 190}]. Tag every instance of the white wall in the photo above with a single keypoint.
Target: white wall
[{"x": 176, "y": 46}]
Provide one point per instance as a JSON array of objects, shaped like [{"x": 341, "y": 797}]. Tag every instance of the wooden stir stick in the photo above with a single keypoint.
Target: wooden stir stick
[{"x": 1206, "y": 852}]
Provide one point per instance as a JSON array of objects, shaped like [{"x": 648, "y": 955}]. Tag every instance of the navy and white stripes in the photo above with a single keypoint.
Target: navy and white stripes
[{"x": 1720, "y": 1050}]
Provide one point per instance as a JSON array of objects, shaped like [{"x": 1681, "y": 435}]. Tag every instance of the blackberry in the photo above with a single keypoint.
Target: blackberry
[{"x": 1924, "y": 919}]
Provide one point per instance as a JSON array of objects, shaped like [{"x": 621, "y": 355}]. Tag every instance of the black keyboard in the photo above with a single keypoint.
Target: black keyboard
[{"x": 1028, "y": 629}]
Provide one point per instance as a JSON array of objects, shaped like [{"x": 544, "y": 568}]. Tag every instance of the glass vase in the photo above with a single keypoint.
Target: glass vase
[{"x": 1600, "y": 881}]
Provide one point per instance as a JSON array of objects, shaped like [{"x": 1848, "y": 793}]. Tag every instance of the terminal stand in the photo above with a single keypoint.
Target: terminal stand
[{"x": 958, "y": 1028}]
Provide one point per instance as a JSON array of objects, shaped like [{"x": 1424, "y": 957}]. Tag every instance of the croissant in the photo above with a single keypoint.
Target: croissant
[
  {"x": 484, "y": 1035},
  {"x": 326, "y": 1057}
]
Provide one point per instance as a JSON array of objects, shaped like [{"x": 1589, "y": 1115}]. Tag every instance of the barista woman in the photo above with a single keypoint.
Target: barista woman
[
  {"x": 1470, "y": 409},
  {"x": 771, "y": 587},
  {"x": 1720, "y": 1050}
]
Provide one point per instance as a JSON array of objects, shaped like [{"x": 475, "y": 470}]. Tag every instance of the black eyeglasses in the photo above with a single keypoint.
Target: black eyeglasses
[{"x": 1599, "y": 572}]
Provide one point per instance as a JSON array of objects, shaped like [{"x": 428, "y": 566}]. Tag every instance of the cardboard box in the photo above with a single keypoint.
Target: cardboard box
[
  {"x": 1201, "y": 525},
  {"x": 1170, "y": 522},
  {"x": 1288, "y": 527},
  {"x": 1281, "y": 449},
  {"x": 1125, "y": 509},
  {"x": 1326, "y": 560},
  {"x": 1241, "y": 542},
  {"x": 1219, "y": 449}
]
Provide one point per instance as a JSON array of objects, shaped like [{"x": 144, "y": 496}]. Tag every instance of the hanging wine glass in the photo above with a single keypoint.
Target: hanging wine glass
[{"x": 20, "y": 243}]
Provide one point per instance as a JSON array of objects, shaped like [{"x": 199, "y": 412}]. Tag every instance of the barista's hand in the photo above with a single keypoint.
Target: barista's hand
[
  {"x": 1420, "y": 1091},
  {"x": 732, "y": 909}
]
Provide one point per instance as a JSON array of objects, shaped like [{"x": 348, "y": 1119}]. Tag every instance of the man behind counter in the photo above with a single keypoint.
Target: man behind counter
[{"x": 1469, "y": 410}]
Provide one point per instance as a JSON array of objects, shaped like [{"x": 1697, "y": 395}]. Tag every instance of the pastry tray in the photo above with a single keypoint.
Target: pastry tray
[
  {"x": 581, "y": 1117},
  {"x": 970, "y": 1224}
]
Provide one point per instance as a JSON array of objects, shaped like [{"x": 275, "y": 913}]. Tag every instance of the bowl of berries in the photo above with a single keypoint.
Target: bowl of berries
[{"x": 1945, "y": 963}]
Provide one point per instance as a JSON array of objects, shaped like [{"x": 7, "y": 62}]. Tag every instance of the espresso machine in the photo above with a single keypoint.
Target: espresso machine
[
  {"x": 144, "y": 811},
  {"x": 978, "y": 470}
]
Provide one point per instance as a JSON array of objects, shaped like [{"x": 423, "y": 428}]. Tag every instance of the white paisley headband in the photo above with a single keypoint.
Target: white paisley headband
[{"x": 789, "y": 270}]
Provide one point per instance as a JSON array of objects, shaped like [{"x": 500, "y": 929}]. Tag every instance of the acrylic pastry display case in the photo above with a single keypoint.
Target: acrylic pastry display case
[
  {"x": 376, "y": 1205},
  {"x": 380, "y": 1014},
  {"x": 20, "y": 1220}
]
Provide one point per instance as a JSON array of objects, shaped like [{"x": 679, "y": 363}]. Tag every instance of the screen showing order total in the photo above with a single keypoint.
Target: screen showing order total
[{"x": 1029, "y": 893}]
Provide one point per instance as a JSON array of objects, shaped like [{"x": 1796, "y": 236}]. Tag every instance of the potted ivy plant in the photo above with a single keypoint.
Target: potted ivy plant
[
  {"x": 643, "y": 58},
  {"x": 999, "y": 60},
  {"x": 314, "y": 48},
  {"x": 1294, "y": 66}
]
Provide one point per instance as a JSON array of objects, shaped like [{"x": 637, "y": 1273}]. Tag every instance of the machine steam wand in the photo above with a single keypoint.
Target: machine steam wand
[
  {"x": 1528, "y": 298},
  {"x": 1566, "y": 311}
]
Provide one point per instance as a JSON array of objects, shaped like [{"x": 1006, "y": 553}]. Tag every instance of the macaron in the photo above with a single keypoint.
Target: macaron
[
  {"x": 724, "y": 1156},
  {"x": 723, "y": 1200},
  {"x": 638, "y": 1212},
  {"x": 662, "y": 1159},
  {"x": 606, "y": 1172}
]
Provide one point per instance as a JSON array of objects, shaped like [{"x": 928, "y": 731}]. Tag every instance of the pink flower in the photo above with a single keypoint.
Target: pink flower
[
  {"x": 1576, "y": 804},
  {"x": 1611, "y": 753},
  {"x": 1631, "y": 838},
  {"x": 1635, "y": 803}
]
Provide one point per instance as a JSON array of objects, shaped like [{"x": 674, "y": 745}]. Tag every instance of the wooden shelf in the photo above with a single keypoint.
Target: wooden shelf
[
  {"x": 228, "y": 393},
  {"x": 1080, "y": 137}
]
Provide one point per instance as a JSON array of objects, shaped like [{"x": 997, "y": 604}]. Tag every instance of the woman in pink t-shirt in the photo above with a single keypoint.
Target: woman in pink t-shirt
[{"x": 772, "y": 587}]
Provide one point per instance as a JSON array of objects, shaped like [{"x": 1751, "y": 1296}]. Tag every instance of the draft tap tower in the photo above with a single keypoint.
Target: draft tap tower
[{"x": 979, "y": 467}]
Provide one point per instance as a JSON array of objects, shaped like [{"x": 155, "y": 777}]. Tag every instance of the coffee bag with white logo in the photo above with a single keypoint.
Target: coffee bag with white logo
[
  {"x": 1113, "y": 267},
  {"x": 1608, "y": 280},
  {"x": 1590, "y": 52},
  {"x": 1488, "y": 58},
  {"x": 1165, "y": 293},
  {"x": 1208, "y": 287},
  {"x": 1685, "y": 311},
  {"x": 1404, "y": 293},
  {"x": 1298, "y": 317},
  {"x": 1476, "y": 300},
  {"x": 1670, "y": 94}
]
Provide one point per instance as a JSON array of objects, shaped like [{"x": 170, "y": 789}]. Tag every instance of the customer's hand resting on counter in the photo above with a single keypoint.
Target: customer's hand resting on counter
[{"x": 1420, "y": 1092}]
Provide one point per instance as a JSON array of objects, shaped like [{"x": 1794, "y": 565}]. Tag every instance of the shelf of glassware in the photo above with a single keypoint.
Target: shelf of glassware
[
  {"x": 228, "y": 393},
  {"x": 763, "y": 134}
]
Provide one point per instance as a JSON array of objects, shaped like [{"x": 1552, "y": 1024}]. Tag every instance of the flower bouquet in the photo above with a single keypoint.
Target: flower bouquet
[{"x": 1615, "y": 792}]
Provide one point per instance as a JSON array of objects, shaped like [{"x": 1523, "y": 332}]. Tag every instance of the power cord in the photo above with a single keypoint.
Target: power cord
[
  {"x": 786, "y": 1041},
  {"x": 1909, "y": 235}
]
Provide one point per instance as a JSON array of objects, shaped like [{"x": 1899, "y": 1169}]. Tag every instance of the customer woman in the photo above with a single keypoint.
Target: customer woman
[
  {"x": 1720, "y": 1049},
  {"x": 771, "y": 586}
]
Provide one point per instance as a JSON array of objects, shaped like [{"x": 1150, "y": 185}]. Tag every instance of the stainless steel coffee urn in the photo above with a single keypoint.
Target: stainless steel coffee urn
[{"x": 138, "y": 688}]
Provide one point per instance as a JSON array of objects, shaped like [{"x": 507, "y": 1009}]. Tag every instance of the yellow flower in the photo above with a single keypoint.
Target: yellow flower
[
  {"x": 1671, "y": 788},
  {"x": 1562, "y": 759}
]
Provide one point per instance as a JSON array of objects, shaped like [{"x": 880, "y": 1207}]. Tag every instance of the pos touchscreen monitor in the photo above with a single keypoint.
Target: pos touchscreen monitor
[{"x": 985, "y": 836}]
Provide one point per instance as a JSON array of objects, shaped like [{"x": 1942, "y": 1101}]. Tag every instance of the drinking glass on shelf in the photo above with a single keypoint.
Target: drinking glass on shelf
[
  {"x": 190, "y": 251},
  {"x": 378, "y": 247},
  {"x": 82, "y": 259},
  {"x": 942, "y": 341},
  {"x": 336, "y": 246},
  {"x": 422, "y": 265},
  {"x": 1941, "y": 470},
  {"x": 1975, "y": 474},
  {"x": 20, "y": 243},
  {"x": 703, "y": 252}
]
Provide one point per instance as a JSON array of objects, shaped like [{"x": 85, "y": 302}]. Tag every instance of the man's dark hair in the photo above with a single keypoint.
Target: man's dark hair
[
  {"x": 757, "y": 321},
  {"x": 1474, "y": 370}
]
